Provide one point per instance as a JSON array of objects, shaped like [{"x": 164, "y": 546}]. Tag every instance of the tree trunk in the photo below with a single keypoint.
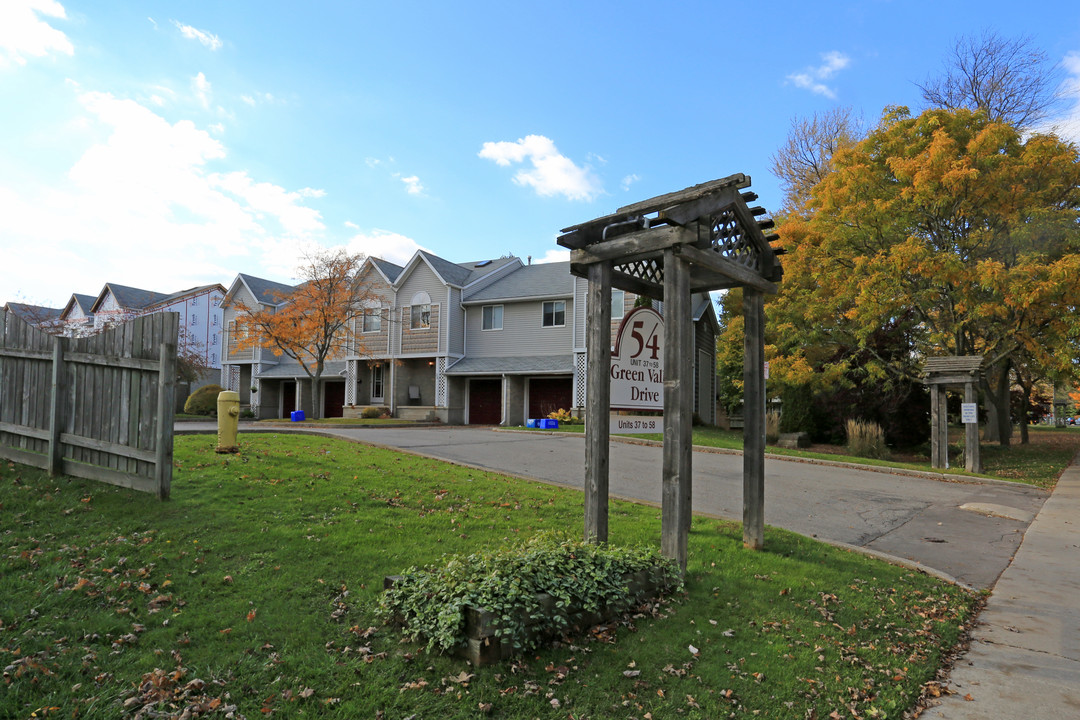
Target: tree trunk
[
  {"x": 1024, "y": 414},
  {"x": 998, "y": 422},
  {"x": 312, "y": 399}
]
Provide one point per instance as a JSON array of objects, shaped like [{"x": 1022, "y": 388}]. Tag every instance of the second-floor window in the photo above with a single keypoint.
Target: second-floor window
[
  {"x": 421, "y": 316},
  {"x": 618, "y": 300},
  {"x": 554, "y": 313},
  {"x": 372, "y": 320},
  {"x": 421, "y": 311},
  {"x": 493, "y": 315}
]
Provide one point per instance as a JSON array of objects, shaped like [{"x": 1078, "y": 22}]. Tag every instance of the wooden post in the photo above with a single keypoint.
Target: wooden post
[
  {"x": 166, "y": 410},
  {"x": 56, "y": 407},
  {"x": 935, "y": 424},
  {"x": 753, "y": 419},
  {"x": 597, "y": 402},
  {"x": 678, "y": 409},
  {"x": 973, "y": 463},
  {"x": 943, "y": 427}
]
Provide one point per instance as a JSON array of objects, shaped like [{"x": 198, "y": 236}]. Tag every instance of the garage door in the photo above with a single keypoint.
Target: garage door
[
  {"x": 333, "y": 399},
  {"x": 485, "y": 402},
  {"x": 546, "y": 395}
]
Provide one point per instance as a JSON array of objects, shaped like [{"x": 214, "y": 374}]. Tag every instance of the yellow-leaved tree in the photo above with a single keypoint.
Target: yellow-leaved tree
[
  {"x": 955, "y": 233},
  {"x": 314, "y": 323}
]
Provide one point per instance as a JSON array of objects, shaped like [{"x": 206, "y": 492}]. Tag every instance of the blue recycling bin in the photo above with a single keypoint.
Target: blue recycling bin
[{"x": 297, "y": 416}]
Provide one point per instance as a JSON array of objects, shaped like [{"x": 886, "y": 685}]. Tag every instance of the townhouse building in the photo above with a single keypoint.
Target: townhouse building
[{"x": 489, "y": 342}]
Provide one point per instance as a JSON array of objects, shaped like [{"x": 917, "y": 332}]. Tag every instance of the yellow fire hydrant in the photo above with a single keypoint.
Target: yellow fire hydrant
[{"x": 228, "y": 419}]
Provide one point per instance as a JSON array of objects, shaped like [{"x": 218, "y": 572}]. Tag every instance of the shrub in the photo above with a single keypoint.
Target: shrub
[
  {"x": 430, "y": 603},
  {"x": 866, "y": 439},
  {"x": 203, "y": 401},
  {"x": 370, "y": 413},
  {"x": 772, "y": 427},
  {"x": 561, "y": 415}
]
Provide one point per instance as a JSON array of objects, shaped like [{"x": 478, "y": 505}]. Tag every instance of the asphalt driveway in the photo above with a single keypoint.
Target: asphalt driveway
[{"x": 968, "y": 529}]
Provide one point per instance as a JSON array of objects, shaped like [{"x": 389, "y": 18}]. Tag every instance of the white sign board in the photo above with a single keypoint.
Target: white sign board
[
  {"x": 637, "y": 364},
  {"x": 969, "y": 413},
  {"x": 635, "y": 424}
]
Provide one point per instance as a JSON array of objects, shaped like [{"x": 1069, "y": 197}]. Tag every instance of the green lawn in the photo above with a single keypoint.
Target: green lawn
[
  {"x": 252, "y": 591},
  {"x": 1038, "y": 463}
]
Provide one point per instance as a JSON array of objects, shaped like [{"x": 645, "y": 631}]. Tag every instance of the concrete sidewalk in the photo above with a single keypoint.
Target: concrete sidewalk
[{"x": 1024, "y": 660}]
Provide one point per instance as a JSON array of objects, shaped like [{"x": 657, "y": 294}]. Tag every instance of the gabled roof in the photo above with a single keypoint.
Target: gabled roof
[
  {"x": 34, "y": 314},
  {"x": 189, "y": 292},
  {"x": 128, "y": 298},
  {"x": 84, "y": 303},
  {"x": 264, "y": 291},
  {"x": 455, "y": 274},
  {"x": 529, "y": 281},
  {"x": 389, "y": 270},
  {"x": 704, "y": 307}
]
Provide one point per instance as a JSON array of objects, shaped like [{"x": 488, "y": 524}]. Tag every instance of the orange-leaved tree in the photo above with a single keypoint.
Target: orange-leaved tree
[
  {"x": 314, "y": 322},
  {"x": 955, "y": 231}
]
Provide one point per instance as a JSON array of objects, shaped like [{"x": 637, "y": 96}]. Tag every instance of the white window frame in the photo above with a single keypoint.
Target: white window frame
[
  {"x": 496, "y": 310},
  {"x": 420, "y": 312},
  {"x": 375, "y": 313},
  {"x": 618, "y": 309},
  {"x": 378, "y": 380},
  {"x": 554, "y": 312}
]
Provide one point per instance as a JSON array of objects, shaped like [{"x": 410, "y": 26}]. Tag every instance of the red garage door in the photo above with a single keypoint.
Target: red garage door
[
  {"x": 485, "y": 402},
  {"x": 546, "y": 395},
  {"x": 333, "y": 399}
]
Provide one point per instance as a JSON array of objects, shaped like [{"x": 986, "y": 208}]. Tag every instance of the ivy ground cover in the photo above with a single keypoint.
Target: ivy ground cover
[{"x": 252, "y": 593}]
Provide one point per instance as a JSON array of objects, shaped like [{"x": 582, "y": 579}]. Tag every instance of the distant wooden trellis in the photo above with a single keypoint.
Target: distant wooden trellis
[
  {"x": 99, "y": 407},
  {"x": 940, "y": 373},
  {"x": 666, "y": 248}
]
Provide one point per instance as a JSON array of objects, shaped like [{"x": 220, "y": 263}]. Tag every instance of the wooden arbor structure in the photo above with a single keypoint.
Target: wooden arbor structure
[
  {"x": 702, "y": 238},
  {"x": 940, "y": 373}
]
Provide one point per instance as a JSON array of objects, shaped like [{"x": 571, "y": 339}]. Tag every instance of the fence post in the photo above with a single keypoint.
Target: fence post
[
  {"x": 58, "y": 388},
  {"x": 165, "y": 404}
]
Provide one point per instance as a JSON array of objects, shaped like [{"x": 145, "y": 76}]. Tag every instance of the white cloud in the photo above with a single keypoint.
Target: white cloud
[
  {"x": 248, "y": 99},
  {"x": 1068, "y": 125},
  {"x": 552, "y": 173},
  {"x": 143, "y": 206},
  {"x": 390, "y": 246},
  {"x": 812, "y": 78},
  {"x": 201, "y": 87},
  {"x": 629, "y": 180},
  {"x": 351, "y": 225},
  {"x": 413, "y": 185},
  {"x": 217, "y": 129},
  {"x": 23, "y": 34},
  {"x": 191, "y": 33},
  {"x": 553, "y": 255}
]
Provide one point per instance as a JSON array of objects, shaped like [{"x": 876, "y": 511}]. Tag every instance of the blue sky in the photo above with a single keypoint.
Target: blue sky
[{"x": 165, "y": 145}]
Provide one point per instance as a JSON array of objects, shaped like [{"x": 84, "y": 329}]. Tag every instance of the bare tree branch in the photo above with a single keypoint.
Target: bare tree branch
[{"x": 1010, "y": 79}]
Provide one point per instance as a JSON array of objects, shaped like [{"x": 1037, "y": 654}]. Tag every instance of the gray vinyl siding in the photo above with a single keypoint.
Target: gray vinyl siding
[
  {"x": 376, "y": 345},
  {"x": 522, "y": 332},
  {"x": 581, "y": 289},
  {"x": 455, "y": 322},
  {"x": 228, "y": 315},
  {"x": 420, "y": 278}
]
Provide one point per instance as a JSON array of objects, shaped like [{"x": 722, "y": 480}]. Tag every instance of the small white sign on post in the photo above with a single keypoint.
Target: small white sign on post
[
  {"x": 635, "y": 425},
  {"x": 969, "y": 413}
]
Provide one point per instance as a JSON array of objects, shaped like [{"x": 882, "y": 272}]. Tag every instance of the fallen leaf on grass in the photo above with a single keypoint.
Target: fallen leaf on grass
[{"x": 251, "y": 614}]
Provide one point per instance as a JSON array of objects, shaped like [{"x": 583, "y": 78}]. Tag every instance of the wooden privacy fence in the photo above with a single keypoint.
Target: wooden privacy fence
[{"x": 98, "y": 407}]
